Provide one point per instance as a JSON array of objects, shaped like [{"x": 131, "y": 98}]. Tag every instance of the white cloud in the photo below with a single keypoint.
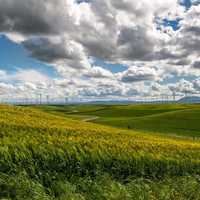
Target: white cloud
[
  {"x": 137, "y": 74},
  {"x": 25, "y": 75},
  {"x": 67, "y": 35},
  {"x": 98, "y": 72},
  {"x": 31, "y": 76},
  {"x": 183, "y": 87}
]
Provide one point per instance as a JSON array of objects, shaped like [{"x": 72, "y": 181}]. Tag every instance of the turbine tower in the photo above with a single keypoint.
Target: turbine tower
[{"x": 40, "y": 98}]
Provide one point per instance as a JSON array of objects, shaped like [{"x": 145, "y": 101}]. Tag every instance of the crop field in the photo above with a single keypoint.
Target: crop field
[
  {"x": 45, "y": 154},
  {"x": 174, "y": 119}
]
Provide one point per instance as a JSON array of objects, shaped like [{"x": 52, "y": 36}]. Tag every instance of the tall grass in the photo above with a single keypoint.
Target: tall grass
[{"x": 48, "y": 157}]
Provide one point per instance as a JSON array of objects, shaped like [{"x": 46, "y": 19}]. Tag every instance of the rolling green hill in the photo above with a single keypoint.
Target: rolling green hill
[
  {"x": 182, "y": 122},
  {"x": 172, "y": 119},
  {"x": 44, "y": 156}
]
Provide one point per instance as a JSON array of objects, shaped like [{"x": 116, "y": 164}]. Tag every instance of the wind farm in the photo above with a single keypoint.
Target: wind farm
[{"x": 100, "y": 100}]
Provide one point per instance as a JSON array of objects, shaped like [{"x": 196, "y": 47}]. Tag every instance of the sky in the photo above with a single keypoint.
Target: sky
[{"x": 99, "y": 49}]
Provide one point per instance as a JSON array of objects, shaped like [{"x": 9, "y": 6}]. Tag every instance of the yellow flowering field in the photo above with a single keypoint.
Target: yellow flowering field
[{"x": 48, "y": 148}]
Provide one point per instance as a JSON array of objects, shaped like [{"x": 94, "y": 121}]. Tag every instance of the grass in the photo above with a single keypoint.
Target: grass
[
  {"x": 175, "y": 119},
  {"x": 44, "y": 156}
]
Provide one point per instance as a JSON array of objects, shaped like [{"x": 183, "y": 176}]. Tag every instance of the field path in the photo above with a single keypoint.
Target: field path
[{"x": 90, "y": 119}]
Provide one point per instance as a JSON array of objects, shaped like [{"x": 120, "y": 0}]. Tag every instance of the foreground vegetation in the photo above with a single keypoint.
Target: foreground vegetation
[{"x": 44, "y": 156}]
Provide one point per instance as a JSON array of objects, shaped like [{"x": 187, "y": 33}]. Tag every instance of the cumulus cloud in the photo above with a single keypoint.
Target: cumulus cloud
[
  {"x": 6, "y": 88},
  {"x": 187, "y": 39},
  {"x": 183, "y": 87},
  {"x": 98, "y": 72},
  {"x": 137, "y": 74},
  {"x": 96, "y": 26},
  {"x": 28, "y": 75},
  {"x": 33, "y": 17},
  {"x": 195, "y": 2},
  {"x": 196, "y": 64},
  {"x": 58, "y": 50},
  {"x": 67, "y": 34}
]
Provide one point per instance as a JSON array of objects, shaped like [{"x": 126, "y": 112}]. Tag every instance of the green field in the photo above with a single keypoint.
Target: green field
[
  {"x": 172, "y": 119},
  {"x": 44, "y": 154}
]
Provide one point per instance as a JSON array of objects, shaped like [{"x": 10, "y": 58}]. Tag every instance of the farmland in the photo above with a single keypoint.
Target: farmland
[
  {"x": 174, "y": 119},
  {"x": 51, "y": 152}
]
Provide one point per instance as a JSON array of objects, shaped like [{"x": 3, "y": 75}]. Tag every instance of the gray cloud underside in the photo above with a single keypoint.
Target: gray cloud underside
[{"x": 67, "y": 35}]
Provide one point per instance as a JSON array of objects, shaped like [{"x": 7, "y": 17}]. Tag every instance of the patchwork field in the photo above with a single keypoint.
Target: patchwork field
[{"x": 46, "y": 155}]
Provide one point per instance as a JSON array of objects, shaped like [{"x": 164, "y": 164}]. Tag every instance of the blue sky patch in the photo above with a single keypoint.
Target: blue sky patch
[
  {"x": 13, "y": 57},
  {"x": 186, "y": 3},
  {"x": 115, "y": 68},
  {"x": 175, "y": 24}
]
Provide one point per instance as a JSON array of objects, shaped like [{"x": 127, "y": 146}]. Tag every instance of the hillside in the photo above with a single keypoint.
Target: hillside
[
  {"x": 190, "y": 99},
  {"x": 181, "y": 122},
  {"x": 172, "y": 119},
  {"x": 43, "y": 156}
]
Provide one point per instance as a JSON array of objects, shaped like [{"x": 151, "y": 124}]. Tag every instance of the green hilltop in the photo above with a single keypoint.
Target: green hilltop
[{"x": 172, "y": 119}]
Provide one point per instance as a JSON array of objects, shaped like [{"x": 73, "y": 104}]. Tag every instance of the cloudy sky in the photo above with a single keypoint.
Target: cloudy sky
[{"x": 99, "y": 49}]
